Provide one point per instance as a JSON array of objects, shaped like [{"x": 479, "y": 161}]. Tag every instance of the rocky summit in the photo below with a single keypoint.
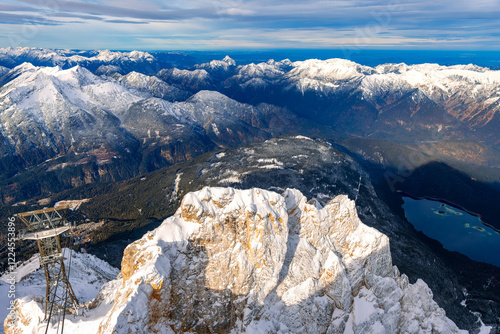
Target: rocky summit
[{"x": 255, "y": 261}]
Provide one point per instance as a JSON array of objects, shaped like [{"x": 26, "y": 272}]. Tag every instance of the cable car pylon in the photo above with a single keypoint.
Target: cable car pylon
[{"x": 46, "y": 226}]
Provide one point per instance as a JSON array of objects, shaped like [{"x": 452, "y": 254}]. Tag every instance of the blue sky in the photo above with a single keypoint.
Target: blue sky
[{"x": 251, "y": 24}]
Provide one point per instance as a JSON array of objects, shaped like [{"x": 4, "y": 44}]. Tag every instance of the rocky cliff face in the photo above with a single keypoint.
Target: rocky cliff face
[{"x": 254, "y": 261}]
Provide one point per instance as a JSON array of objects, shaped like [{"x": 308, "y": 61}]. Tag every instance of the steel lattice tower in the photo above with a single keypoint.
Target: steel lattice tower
[{"x": 45, "y": 226}]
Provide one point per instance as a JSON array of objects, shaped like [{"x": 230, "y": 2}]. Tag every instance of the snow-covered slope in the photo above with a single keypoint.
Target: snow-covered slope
[
  {"x": 330, "y": 70},
  {"x": 469, "y": 92},
  {"x": 224, "y": 122},
  {"x": 254, "y": 261},
  {"x": 438, "y": 82},
  {"x": 108, "y": 70},
  {"x": 153, "y": 86},
  {"x": 51, "y": 110},
  {"x": 218, "y": 65},
  {"x": 195, "y": 79},
  {"x": 3, "y": 70},
  {"x": 260, "y": 75},
  {"x": 42, "y": 85}
]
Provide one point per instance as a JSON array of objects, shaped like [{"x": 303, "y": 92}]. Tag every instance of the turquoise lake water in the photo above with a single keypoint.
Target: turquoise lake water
[{"x": 455, "y": 229}]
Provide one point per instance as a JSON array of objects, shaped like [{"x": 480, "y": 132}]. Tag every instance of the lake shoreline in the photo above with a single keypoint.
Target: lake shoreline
[
  {"x": 456, "y": 230},
  {"x": 402, "y": 193}
]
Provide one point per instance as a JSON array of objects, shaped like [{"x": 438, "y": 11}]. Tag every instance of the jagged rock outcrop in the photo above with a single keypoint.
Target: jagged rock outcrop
[{"x": 254, "y": 261}]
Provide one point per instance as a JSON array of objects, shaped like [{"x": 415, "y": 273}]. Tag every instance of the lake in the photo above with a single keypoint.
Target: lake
[{"x": 454, "y": 228}]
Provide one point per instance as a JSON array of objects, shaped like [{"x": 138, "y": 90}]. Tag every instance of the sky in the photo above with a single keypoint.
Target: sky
[{"x": 251, "y": 24}]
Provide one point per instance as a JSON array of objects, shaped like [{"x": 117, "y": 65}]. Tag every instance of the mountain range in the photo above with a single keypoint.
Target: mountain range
[
  {"x": 135, "y": 132},
  {"x": 102, "y": 129}
]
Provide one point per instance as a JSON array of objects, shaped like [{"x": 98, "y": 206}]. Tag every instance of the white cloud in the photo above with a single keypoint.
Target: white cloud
[
  {"x": 236, "y": 12},
  {"x": 255, "y": 23}
]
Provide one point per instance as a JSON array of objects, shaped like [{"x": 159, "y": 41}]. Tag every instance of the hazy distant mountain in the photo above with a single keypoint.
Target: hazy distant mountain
[{"x": 143, "y": 62}]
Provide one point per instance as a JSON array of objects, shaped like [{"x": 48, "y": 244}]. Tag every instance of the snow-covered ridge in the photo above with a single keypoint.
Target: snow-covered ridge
[
  {"x": 224, "y": 64},
  {"x": 254, "y": 261},
  {"x": 341, "y": 69},
  {"x": 469, "y": 92},
  {"x": 151, "y": 84},
  {"x": 57, "y": 110},
  {"x": 425, "y": 76},
  {"x": 197, "y": 74},
  {"x": 329, "y": 70},
  {"x": 41, "y": 92},
  {"x": 269, "y": 70},
  {"x": 59, "y": 57}
]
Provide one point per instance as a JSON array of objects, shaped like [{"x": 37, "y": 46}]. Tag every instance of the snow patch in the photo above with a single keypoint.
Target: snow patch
[
  {"x": 303, "y": 137},
  {"x": 177, "y": 183}
]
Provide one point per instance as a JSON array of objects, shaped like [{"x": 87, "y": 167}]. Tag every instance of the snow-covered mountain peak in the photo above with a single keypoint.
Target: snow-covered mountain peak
[
  {"x": 254, "y": 261},
  {"x": 211, "y": 202},
  {"x": 61, "y": 107},
  {"x": 391, "y": 68},
  {"x": 317, "y": 74},
  {"x": 77, "y": 75},
  {"x": 276, "y": 262},
  {"x": 229, "y": 61},
  {"x": 151, "y": 85},
  {"x": 218, "y": 65},
  {"x": 138, "y": 79},
  {"x": 283, "y": 62},
  {"x": 24, "y": 67},
  {"x": 67, "y": 82},
  {"x": 329, "y": 70},
  {"x": 208, "y": 96},
  {"x": 109, "y": 56},
  {"x": 198, "y": 74},
  {"x": 23, "y": 51},
  {"x": 434, "y": 73},
  {"x": 26, "y": 72},
  {"x": 269, "y": 70},
  {"x": 109, "y": 70}
]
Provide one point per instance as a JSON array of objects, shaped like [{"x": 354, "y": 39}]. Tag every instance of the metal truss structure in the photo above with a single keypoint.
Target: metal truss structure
[{"x": 46, "y": 226}]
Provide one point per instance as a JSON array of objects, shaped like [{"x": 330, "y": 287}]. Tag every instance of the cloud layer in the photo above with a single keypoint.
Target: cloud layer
[{"x": 262, "y": 24}]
